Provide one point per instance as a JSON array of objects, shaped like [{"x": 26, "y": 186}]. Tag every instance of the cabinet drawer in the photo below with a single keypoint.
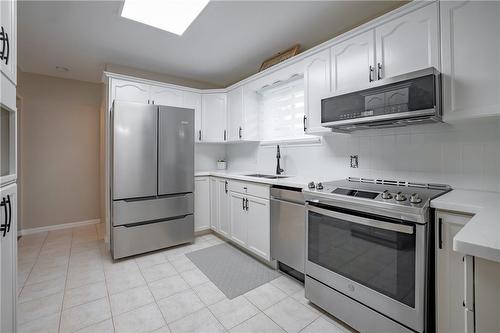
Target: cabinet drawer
[
  {"x": 131, "y": 240},
  {"x": 256, "y": 190},
  {"x": 133, "y": 211}
]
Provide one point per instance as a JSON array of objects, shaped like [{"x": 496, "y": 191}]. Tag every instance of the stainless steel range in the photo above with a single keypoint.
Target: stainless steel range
[{"x": 367, "y": 253}]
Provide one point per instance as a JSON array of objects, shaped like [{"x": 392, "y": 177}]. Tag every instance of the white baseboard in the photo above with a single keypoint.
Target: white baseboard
[{"x": 30, "y": 231}]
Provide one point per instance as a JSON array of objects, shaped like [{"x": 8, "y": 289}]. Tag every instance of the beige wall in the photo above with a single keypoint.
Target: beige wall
[{"x": 59, "y": 150}]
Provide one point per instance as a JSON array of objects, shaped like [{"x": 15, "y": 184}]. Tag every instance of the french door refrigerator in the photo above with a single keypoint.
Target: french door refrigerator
[{"x": 152, "y": 176}]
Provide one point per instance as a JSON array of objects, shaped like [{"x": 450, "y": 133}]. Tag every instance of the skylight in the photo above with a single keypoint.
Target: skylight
[{"x": 174, "y": 16}]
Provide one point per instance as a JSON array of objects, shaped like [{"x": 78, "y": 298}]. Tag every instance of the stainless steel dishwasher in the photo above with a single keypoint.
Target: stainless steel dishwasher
[{"x": 288, "y": 229}]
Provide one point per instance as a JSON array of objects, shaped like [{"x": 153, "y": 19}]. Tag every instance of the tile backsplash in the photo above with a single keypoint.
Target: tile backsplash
[{"x": 465, "y": 155}]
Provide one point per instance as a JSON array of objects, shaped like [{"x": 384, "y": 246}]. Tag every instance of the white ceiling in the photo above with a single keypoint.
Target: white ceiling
[{"x": 226, "y": 43}]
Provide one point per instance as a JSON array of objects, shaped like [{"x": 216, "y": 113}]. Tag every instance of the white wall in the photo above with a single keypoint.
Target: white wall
[
  {"x": 465, "y": 155},
  {"x": 206, "y": 156}
]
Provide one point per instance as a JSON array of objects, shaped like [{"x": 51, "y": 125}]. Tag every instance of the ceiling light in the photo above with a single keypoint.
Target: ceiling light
[{"x": 174, "y": 16}]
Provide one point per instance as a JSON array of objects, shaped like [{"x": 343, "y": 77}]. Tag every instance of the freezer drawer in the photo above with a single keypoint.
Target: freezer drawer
[
  {"x": 156, "y": 208},
  {"x": 131, "y": 240}
]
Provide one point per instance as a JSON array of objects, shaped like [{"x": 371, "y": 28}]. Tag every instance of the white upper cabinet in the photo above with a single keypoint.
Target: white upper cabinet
[
  {"x": 470, "y": 47},
  {"x": 214, "y": 117},
  {"x": 316, "y": 86},
  {"x": 235, "y": 114},
  {"x": 408, "y": 43},
  {"x": 8, "y": 31},
  {"x": 166, "y": 96},
  {"x": 192, "y": 100},
  {"x": 353, "y": 62},
  {"x": 129, "y": 91}
]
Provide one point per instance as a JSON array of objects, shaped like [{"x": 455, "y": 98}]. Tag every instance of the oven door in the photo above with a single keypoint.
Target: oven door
[{"x": 379, "y": 262}]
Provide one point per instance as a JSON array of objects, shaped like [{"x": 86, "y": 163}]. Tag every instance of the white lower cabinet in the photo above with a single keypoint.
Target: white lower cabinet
[
  {"x": 8, "y": 257},
  {"x": 258, "y": 224},
  {"x": 223, "y": 207},
  {"x": 238, "y": 219},
  {"x": 240, "y": 212},
  {"x": 214, "y": 205},
  {"x": 466, "y": 295},
  {"x": 201, "y": 203},
  {"x": 449, "y": 274},
  {"x": 486, "y": 296}
]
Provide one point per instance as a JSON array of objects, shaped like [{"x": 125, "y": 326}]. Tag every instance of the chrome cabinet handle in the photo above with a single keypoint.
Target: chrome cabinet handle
[
  {"x": 370, "y": 73},
  {"x": 305, "y": 119},
  {"x": 246, "y": 204},
  {"x": 379, "y": 71},
  {"x": 224, "y": 135},
  {"x": 239, "y": 132},
  {"x": 199, "y": 135},
  {"x": 243, "y": 203},
  {"x": 225, "y": 186}
]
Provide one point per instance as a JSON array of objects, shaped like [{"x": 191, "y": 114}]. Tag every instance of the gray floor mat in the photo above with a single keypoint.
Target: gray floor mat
[{"x": 231, "y": 270}]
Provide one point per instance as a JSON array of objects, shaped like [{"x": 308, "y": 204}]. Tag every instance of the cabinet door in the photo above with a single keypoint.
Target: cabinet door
[
  {"x": 449, "y": 275},
  {"x": 238, "y": 218},
  {"x": 214, "y": 205},
  {"x": 8, "y": 22},
  {"x": 224, "y": 227},
  {"x": 8, "y": 259},
  {"x": 201, "y": 203},
  {"x": 408, "y": 43},
  {"x": 235, "y": 114},
  {"x": 192, "y": 100},
  {"x": 165, "y": 96},
  {"x": 353, "y": 62},
  {"x": 317, "y": 85},
  {"x": 259, "y": 227},
  {"x": 214, "y": 117},
  {"x": 486, "y": 295},
  {"x": 129, "y": 91},
  {"x": 470, "y": 58}
]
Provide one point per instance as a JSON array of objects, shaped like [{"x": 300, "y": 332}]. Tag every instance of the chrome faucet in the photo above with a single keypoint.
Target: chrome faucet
[{"x": 279, "y": 170}]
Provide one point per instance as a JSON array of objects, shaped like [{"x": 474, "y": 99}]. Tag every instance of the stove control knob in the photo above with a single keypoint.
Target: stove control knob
[
  {"x": 415, "y": 198},
  {"x": 386, "y": 195},
  {"x": 319, "y": 186},
  {"x": 311, "y": 185},
  {"x": 400, "y": 197}
]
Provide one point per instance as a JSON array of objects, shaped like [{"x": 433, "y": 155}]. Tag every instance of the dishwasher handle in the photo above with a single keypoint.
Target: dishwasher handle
[{"x": 296, "y": 203}]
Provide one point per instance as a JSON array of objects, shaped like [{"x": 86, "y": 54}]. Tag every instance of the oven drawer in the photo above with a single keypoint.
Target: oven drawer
[
  {"x": 256, "y": 190},
  {"x": 143, "y": 210},
  {"x": 360, "y": 317},
  {"x": 136, "y": 239}
]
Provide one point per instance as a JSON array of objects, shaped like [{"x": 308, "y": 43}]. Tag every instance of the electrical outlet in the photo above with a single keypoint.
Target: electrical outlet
[{"x": 354, "y": 161}]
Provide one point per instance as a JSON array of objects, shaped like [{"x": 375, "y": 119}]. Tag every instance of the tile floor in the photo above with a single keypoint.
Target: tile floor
[{"x": 68, "y": 283}]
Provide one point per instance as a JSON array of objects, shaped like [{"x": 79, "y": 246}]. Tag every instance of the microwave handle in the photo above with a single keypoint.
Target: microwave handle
[{"x": 364, "y": 221}]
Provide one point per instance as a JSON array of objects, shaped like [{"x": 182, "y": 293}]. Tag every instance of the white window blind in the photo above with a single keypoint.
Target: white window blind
[{"x": 282, "y": 112}]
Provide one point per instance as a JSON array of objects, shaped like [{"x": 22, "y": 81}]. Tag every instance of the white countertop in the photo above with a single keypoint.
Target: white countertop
[
  {"x": 292, "y": 181},
  {"x": 480, "y": 237}
]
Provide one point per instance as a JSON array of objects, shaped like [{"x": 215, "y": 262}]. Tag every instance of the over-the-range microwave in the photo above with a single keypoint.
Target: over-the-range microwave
[{"x": 409, "y": 99}]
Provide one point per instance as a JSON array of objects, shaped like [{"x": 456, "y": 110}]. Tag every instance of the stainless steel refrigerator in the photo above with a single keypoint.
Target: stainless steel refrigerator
[{"x": 152, "y": 176}]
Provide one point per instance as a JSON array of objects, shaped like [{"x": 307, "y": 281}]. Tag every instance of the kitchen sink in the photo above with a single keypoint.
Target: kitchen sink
[{"x": 259, "y": 175}]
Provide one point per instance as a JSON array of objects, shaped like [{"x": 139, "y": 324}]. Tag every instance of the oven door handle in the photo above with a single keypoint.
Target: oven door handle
[{"x": 364, "y": 221}]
